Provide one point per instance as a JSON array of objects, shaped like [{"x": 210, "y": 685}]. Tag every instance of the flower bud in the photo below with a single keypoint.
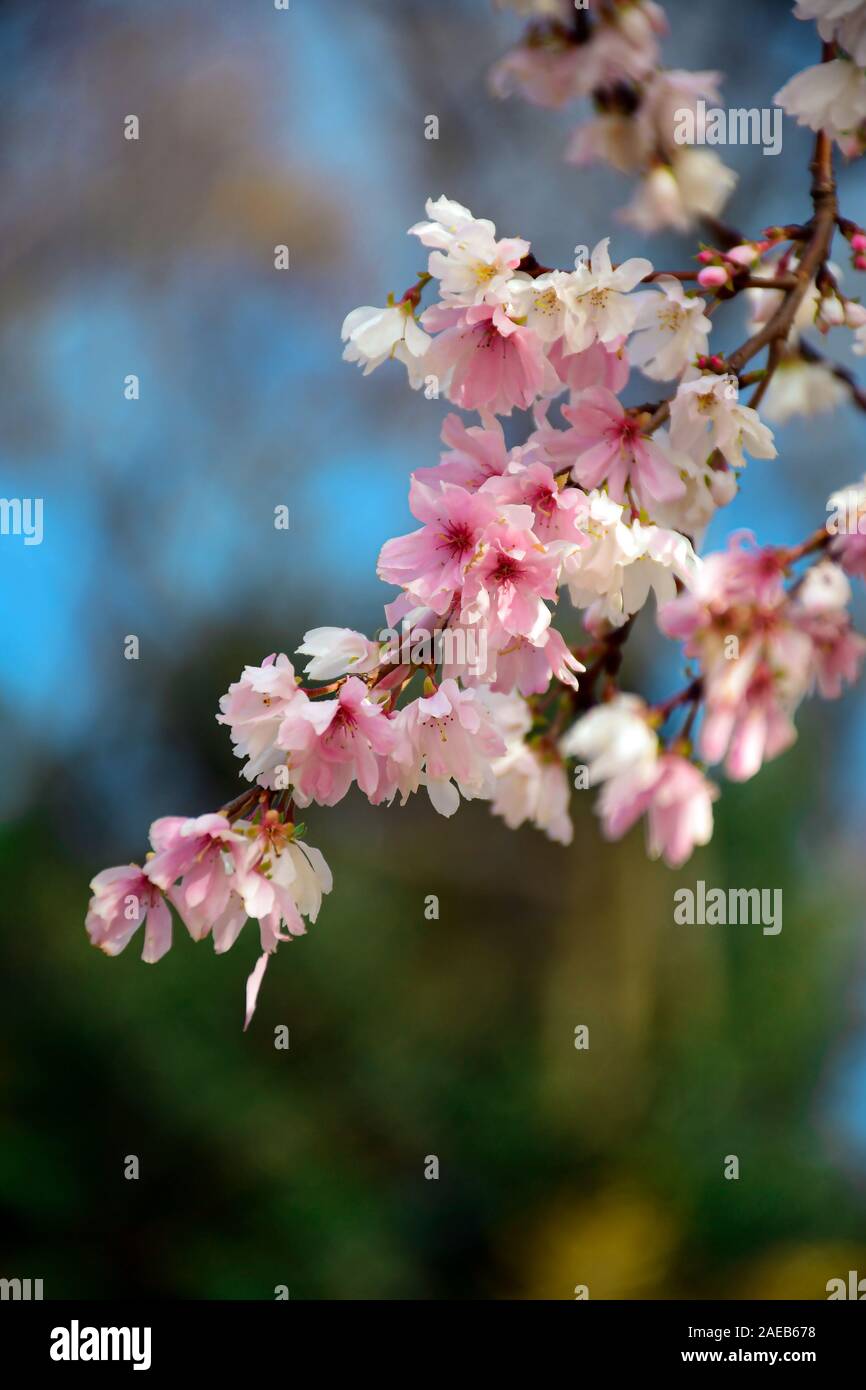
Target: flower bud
[
  {"x": 831, "y": 312},
  {"x": 712, "y": 277}
]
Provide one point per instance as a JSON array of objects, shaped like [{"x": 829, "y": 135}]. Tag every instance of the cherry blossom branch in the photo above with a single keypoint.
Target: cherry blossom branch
[
  {"x": 814, "y": 255},
  {"x": 773, "y": 358},
  {"x": 688, "y": 695},
  {"x": 607, "y": 663},
  {"x": 857, "y": 392},
  {"x": 820, "y": 237},
  {"x": 812, "y": 545},
  {"x": 239, "y": 806},
  {"x": 507, "y": 530}
]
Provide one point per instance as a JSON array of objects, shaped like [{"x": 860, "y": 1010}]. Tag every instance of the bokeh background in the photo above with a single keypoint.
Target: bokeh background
[{"x": 409, "y": 1037}]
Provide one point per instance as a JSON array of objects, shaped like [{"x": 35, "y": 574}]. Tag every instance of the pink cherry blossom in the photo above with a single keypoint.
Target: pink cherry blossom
[
  {"x": 677, "y": 802},
  {"x": 598, "y": 300},
  {"x": 203, "y": 853},
  {"x": 281, "y": 880},
  {"x": 528, "y": 666},
  {"x": 761, "y": 651},
  {"x": 431, "y": 562},
  {"x": 531, "y": 785},
  {"x": 373, "y": 335},
  {"x": 601, "y": 364},
  {"x": 755, "y": 666},
  {"x": 558, "y": 512},
  {"x": 544, "y": 76},
  {"x": 706, "y": 415},
  {"x": 336, "y": 651},
  {"x": 613, "y": 739},
  {"x": 613, "y": 450},
  {"x": 180, "y": 842},
  {"x": 743, "y": 574},
  {"x": 449, "y": 739},
  {"x": 819, "y": 608},
  {"x": 475, "y": 268},
  {"x": 486, "y": 361},
  {"x": 254, "y": 708},
  {"x": 123, "y": 899},
  {"x": 506, "y": 587},
  {"x": 472, "y": 267},
  {"x": 212, "y": 907},
  {"x": 331, "y": 743},
  {"x": 751, "y": 729},
  {"x": 474, "y": 455}
]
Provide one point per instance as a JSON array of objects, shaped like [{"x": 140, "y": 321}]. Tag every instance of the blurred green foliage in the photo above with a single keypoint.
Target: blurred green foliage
[{"x": 455, "y": 1037}]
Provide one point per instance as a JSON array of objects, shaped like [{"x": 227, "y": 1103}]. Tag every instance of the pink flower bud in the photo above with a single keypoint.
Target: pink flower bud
[
  {"x": 706, "y": 257},
  {"x": 712, "y": 276},
  {"x": 741, "y": 255},
  {"x": 858, "y": 241},
  {"x": 860, "y": 262}
]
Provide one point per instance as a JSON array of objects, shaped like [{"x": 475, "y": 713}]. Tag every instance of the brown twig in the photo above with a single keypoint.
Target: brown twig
[
  {"x": 821, "y": 229},
  {"x": 236, "y": 808},
  {"x": 823, "y": 225},
  {"x": 773, "y": 358},
  {"x": 858, "y": 392}
]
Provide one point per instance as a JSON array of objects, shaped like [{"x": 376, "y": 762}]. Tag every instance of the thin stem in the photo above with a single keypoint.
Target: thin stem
[
  {"x": 858, "y": 392},
  {"x": 233, "y": 810}
]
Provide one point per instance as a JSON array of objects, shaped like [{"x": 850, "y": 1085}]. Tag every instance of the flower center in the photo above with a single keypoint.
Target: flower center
[
  {"x": 458, "y": 538},
  {"x": 547, "y": 303},
  {"x": 507, "y": 570},
  {"x": 671, "y": 317}
]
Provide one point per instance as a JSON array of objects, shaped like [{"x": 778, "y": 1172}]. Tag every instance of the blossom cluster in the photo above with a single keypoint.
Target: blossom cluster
[
  {"x": 216, "y": 874},
  {"x": 484, "y": 693},
  {"x": 762, "y": 647},
  {"x": 611, "y": 54}
]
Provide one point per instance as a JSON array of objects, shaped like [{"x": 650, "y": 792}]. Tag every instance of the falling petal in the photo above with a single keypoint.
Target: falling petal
[{"x": 253, "y": 986}]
